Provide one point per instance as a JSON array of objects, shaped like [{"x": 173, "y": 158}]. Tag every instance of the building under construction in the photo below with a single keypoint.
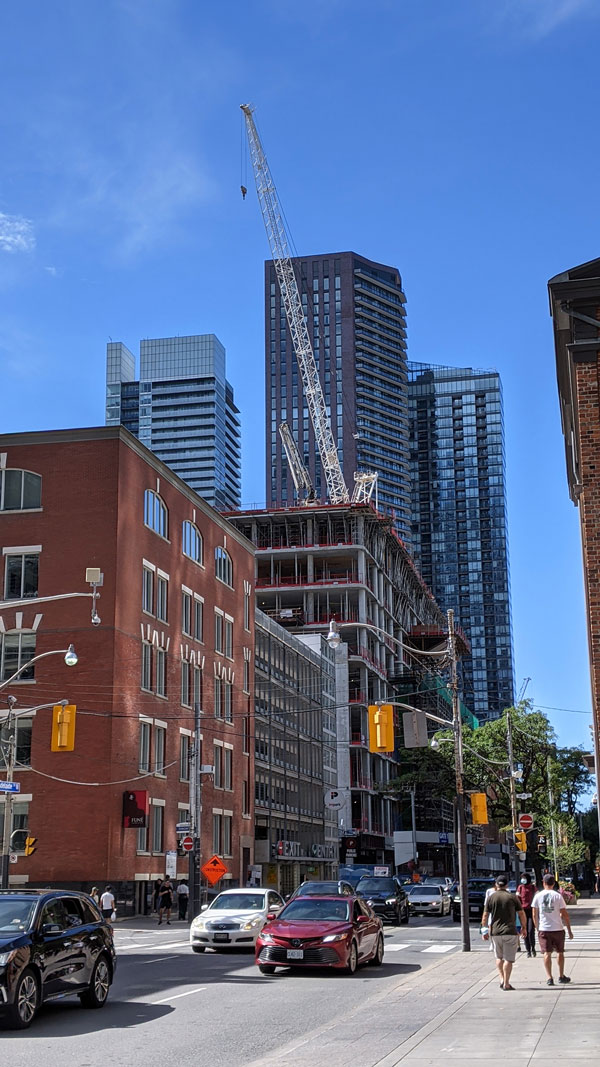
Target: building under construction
[{"x": 345, "y": 562}]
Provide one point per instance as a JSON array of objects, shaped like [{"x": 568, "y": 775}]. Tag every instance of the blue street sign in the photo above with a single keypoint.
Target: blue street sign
[
  {"x": 10, "y": 787},
  {"x": 443, "y": 839},
  {"x": 182, "y": 828}
]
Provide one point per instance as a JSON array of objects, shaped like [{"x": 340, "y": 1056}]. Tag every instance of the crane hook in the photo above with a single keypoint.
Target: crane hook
[{"x": 244, "y": 191}]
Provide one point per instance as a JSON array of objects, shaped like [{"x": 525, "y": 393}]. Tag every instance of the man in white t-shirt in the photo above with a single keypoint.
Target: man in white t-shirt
[
  {"x": 107, "y": 903},
  {"x": 550, "y": 916}
]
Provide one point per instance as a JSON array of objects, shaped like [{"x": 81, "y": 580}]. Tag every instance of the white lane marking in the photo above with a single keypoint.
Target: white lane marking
[
  {"x": 176, "y": 996},
  {"x": 395, "y": 948},
  {"x": 439, "y": 948},
  {"x": 159, "y": 959},
  {"x": 157, "y": 946}
]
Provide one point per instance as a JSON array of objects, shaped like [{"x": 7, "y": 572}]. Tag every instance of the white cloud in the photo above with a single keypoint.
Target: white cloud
[
  {"x": 538, "y": 18},
  {"x": 16, "y": 234}
]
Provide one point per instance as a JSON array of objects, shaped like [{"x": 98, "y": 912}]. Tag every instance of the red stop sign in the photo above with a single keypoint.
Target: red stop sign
[
  {"x": 526, "y": 822},
  {"x": 187, "y": 843}
]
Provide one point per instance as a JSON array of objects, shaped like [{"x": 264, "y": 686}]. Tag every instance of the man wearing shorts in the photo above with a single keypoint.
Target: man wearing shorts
[
  {"x": 503, "y": 907},
  {"x": 549, "y": 915}
]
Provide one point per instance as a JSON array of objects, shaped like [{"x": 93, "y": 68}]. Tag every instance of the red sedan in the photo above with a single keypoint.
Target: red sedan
[{"x": 339, "y": 932}]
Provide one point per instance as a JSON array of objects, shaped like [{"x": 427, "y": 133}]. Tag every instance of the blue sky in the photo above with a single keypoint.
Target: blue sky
[{"x": 455, "y": 140}]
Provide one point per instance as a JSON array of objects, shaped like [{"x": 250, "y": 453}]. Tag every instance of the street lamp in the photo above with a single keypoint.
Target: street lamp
[
  {"x": 69, "y": 653},
  {"x": 333, "y": 639},
  {"x": 93, "y": 576}
]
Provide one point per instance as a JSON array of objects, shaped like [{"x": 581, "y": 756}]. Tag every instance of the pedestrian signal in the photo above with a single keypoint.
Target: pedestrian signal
[
  {"x": 381, "y": 728},
  {"x": 63, "y": 728},
  {"x": 30, "y": 845}
]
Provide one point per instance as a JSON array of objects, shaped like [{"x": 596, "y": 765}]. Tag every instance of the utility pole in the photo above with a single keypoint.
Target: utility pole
[
  {"x": 10, "y": 758},
  {"x": 513, "y": 792},
  {"x": 413, "y": 824},
  {"x": 552, "y": 823},
  {"x": 461, "y": 825},
  {"x": 196, "y": 817}
]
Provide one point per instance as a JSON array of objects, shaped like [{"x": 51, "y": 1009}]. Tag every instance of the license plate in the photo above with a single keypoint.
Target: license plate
[
  {"x": 474, "y": 911},
  {"x": 221, "y": 937},
  {"x": 295, "y": 954}
]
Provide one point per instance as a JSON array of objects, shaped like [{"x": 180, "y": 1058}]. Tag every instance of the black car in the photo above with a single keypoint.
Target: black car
[
  {"x": 385, "y": 896},
  {"x": 53, "y": 944},
  {"x": 322, "y": 889},
  {"x": 477, "y": 888}
]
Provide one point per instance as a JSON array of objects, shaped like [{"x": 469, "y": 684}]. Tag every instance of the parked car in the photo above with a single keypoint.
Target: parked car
[
  {"x": 53, "y": 944},
  {"x": 429, "y": 900},
  {"x": 233, "y": 919},
  {"x": 477, "y": 888},
  {"x": 437, "y": 879},
  {"x": 322, "y": 889},
  {"x": 339, "y": 932},
  {"x": 386, "y": 896}
]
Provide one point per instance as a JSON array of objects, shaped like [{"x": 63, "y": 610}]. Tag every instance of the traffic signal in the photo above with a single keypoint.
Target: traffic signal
[
  {"x": 521, "y": 840},
  {"x": 479, "y": 813},
  {"x": 30, "y": 845},
  {"x": 381, "y": 728},
  {"x": 63, "y": 728}
]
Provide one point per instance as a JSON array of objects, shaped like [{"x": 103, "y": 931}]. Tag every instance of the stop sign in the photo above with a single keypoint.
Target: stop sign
[
  {"x": 526, "y": 821},
  {"x": 187, "y": 843}
]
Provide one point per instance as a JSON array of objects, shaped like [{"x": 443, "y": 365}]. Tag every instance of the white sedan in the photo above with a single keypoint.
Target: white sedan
[{"x": 233, "y": 919}]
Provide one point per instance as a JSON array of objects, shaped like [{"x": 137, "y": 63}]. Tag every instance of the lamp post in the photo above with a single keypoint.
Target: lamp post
[
  {"x": 93, "y": 576},
  {"x": 11, "y": 752}
]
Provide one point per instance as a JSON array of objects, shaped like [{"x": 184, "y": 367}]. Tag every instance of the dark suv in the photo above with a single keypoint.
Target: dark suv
[
  {"x": 386, "y": 896},
  {"x": 53, "y": 943},
  {"x": 477, "y": 889}
]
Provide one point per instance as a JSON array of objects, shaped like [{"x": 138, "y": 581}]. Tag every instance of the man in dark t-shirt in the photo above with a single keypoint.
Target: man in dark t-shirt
[{"x": 503, "y": 907}]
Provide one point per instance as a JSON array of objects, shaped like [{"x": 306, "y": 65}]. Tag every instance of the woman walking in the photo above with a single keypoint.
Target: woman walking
[
  {"x": 165, "y": 900},
  {"x": 526, "y": 892}
]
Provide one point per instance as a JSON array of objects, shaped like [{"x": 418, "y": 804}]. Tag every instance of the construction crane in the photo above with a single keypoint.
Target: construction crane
[
  {"x": 298, "y": 469},
  {"x": 337, "y": 489}
]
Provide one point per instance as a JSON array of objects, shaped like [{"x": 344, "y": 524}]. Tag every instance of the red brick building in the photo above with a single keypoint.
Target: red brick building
[
  {"x": 177, "y": 626},
  {"x": 575, "y": 309}
]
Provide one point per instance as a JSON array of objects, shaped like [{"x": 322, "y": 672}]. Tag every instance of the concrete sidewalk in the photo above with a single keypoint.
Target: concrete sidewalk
[{"x": 476, "y": 1023}]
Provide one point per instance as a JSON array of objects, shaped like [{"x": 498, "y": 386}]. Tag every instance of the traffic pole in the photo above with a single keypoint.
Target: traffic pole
[
  {"x": 461, "y": 823},
  {"x": 196, "y": 818},
  {"x": 10, "y": 758}
]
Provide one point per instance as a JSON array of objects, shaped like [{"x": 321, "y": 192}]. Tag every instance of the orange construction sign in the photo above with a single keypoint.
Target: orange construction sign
[{"x": 214, "y": 869}]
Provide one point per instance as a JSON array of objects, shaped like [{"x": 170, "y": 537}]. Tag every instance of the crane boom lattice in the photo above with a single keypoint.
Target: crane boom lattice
[
  {"x": 337, "y": 489},
  {"x": 297, "y": 468}
]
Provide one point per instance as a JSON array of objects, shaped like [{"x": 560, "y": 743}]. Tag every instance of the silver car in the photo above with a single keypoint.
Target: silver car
[
  {"x": 233, "y": 919},
  {"x": 429, "y": 900}
]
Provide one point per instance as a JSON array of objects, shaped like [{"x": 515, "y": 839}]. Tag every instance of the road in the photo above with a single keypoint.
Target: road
[{"x": 173, "y": 1008}]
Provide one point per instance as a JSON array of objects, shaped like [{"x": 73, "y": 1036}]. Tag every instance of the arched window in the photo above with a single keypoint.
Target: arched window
[
  {"x": 223, "y": 566},
  {"x": 20, "y": 490},
  {"x": 156, "y": 515},
  {"x": 192, "y": 542}
]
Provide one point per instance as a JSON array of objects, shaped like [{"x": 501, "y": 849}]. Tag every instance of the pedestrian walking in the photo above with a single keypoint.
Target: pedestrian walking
[
  {"x": 503, "y": 908},
  {"x": 526, "y": 892},
  {"x": 183, "y": 896},
  {"x": 107, "y": 903},
  {"x": 165, "y": 900},
  {"x": 156, "y": 894},
  {"x": 550, "y": 917},
  {"x": 95, "y": 895}
]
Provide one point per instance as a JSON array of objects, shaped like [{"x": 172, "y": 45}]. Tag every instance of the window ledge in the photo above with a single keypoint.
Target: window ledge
[
  {"x": 147, "y": 690},
  {"x": 20, "y": 511},
  {"x": 161, "y": 696},
  {"x": 159, "y": 774}
]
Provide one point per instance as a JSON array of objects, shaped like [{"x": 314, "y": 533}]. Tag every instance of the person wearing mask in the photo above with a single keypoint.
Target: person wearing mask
[
  {"x": 550, "y": 916},
  {"x": 526, "y": 892}
]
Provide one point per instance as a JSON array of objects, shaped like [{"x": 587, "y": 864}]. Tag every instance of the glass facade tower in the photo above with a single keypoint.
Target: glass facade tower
[
  {"x": 182, "y": 407},
  {"x": 459, "y": 522},
  {"x": 355, "y": 311}
]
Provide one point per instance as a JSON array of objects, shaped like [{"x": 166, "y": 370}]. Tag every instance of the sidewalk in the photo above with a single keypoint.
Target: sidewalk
[{"x": 477, "y": 1023}]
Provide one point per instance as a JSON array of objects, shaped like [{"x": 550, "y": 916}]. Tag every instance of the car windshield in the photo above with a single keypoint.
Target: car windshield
[
  {"x": 376, "y": 885},
  {"x": 15, "y": 915},
  {"x": 425, "y": 890},
  {"x": 480, "y": 885},
  {"x": 237, "y": 902},
  {"x": 319, "y": 888},
  {"x": 324, "y": 910}
]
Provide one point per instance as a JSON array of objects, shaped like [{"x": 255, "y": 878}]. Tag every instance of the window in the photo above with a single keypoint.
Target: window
[
  {"x": 155, "y": 513},
  {"x": 246, "y": 681},
  {"x": 160, "y": 738},
  {"x": 158, "y": 813},
  {"x": 246, "y": 608},
  {"x": 146, "y": 680},
  {"x": 218, "y": 698},
  {"x": 218, "y": 763},
  {"x": 16, "y": 649},
  {"x": 22, "y": 728},
  {"x": 228, "y": 701},
  {"x": 217, "y": 822},
  {"x": 223, "y": 566},
  {"x": 147, "y": 590},
  {"x": 20, "y": 821},
  {"x": 198, "y": 686},
  {"x": 162, "y": 596},
  {"x": 20, "y": 490},
  {"x": 192, "y": 542},
  {"x": 142, "y": 839},
  {"x": 198, "y": 619},
  {"x": 227, "y": 768},
  {"x": 185, "y": 683},
  {"x": 227, "y": 828},
  {"x": 218, "y": 632},
  {"x": 245, "y": 798},
  {"x": 186, "y": 613},
  {"x": 161, "y": 672},
  {"x": 245, "y": 735},
  {"x": 184, "y": 757},
  {"x": 144, "y": 760},
  {"x": 229, "y": 638},
  {"x": 21, "y": 576}
]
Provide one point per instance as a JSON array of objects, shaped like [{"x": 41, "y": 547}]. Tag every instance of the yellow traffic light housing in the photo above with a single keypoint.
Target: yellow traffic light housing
[
  {"x": 30, "y": 845},
  {"x": 381, "y": 728},
  {"x": 521, "y": 840},
  {"x": 63, "y": 728},
  {"x": 479, "y": 813}
]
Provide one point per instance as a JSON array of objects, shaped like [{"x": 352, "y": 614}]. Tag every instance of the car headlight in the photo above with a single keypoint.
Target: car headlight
[
  {"x": 252, "y": 923},
  {"x": 392, "y": 900},
  {"x": 267, "y": 939},
  {"x": 6, "y": 957},
  {"x": 199, "y": 924},
  {"x": 336, "y": 937}
]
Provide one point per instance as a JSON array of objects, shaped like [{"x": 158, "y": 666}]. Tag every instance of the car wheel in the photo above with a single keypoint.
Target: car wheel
[
  {"x": 404, "y": 919},
  {"x": 377, "y": 959},
  {"x": 23, "y": 1010},
  {"x": 96, "y": 993},
  {"x": 266, "y": 968},
  {"x": 352, "y": 963},
  {"x": 198, "y": 948}
]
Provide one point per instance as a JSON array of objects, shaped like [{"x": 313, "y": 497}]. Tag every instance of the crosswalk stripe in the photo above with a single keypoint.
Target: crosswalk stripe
[
  {"x": 395, "y": 948},
  {"x": 439, "y": 948}
]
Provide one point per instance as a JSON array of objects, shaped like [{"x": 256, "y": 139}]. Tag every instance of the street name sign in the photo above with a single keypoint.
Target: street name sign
[
  {"x": 182, "y": 828},
  {"x": 10, "y": 787}
]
